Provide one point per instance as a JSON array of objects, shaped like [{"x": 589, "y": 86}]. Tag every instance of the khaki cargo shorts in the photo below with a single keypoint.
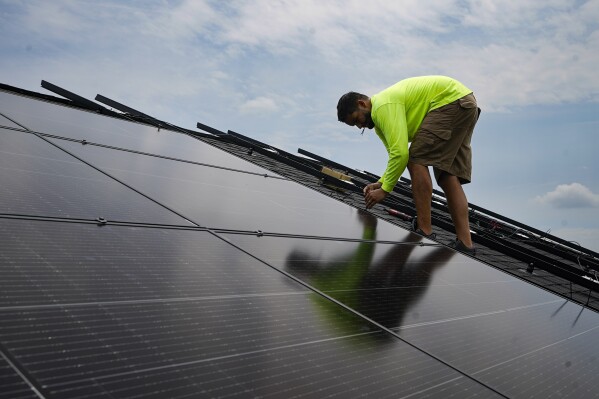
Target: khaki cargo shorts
[{"x": 443, "y": 139}]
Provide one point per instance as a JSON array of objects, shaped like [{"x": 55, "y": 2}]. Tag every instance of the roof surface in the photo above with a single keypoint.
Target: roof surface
[{"x": 140, "y": 259}]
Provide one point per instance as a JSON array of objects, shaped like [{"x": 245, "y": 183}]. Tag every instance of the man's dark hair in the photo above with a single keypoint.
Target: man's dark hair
[{"x": 348, "y": 103}]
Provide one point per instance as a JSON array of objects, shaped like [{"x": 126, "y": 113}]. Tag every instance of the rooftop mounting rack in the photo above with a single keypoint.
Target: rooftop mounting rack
[{"x": 74, "y": 98}]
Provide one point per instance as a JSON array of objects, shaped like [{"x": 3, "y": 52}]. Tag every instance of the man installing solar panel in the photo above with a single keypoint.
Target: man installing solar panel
[{"x": 437, "y": 114}]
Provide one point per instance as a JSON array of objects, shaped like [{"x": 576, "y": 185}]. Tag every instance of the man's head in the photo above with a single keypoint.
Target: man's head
[{"x": 354, "y": 109}]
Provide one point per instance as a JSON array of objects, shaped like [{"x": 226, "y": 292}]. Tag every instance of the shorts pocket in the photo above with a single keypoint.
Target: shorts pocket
[
  {"x": 427, "y": 140},
  {"x": 443, "y": 134},
  {"x": 439, "y": 122}
]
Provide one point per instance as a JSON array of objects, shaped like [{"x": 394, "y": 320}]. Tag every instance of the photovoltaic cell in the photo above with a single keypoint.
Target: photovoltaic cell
[
  {"x": 39, "y": 179},
  {"x": 348, "y": 367},
  {"x": 568, "y": 368},
  {"x": 396, "y": 285},
  {"x": 541, "y": 350},
  {"x": 229, "y": 200},
  {"x": 12, "y": 384},
  {"x": 82, "y": 263},
  {"x": 195, "y": 311},
  {"x": 45, "y": 117},
  {"x": 474, "y": 317},
  {"x": 227, "y": 345},
  {"x": 89, "y": 342}
]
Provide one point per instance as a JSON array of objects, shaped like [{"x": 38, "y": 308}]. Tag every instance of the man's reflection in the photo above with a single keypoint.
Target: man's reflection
[{"x": 384, "y": 290}]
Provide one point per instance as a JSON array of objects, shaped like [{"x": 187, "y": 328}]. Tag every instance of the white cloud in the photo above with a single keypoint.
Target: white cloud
[
  {"x": 187, "y": 19},
  {"x": 573, "y": 195},
  {"x": 326, "y": 25},
  {"x": 259, "y": 105},
  {"x": 512, "y": 53},
  {"x": 510, "y": 14}
]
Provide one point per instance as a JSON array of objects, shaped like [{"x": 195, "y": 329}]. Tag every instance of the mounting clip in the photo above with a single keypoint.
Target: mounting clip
[{"x": 101, "y": 221}]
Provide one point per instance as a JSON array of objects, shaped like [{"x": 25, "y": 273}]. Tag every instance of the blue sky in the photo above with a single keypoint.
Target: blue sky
[{"x": 274, "y": 70}]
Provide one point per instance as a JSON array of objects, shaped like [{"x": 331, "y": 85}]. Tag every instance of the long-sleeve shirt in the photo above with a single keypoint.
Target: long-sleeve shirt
[{"x": 398, "y": 111}]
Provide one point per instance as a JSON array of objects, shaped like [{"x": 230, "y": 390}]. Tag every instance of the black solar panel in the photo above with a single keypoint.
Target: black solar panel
[
  {"x": 40, "y": 179},
  {"x": 214, "y": 277},
  {"x": 47, "y": 118},
  {"x": 14, "y": 386},
  {"x": 81, "y": 263},
  {"x": 226, "y": 199},
  {"x": 113, "y": 304},
  {"x": 442, "y": 300}
]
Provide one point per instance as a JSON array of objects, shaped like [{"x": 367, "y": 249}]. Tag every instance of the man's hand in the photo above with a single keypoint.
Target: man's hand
[
  {"x": 372, "y": 186},
  {"x": 373, "y": 197}
]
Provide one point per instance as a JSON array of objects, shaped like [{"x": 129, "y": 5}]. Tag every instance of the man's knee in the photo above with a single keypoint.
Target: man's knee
[
  {"x": 415, "y": 168},
  {"x": 447, "y": 180},
  {"x": 411, "y": 168}
]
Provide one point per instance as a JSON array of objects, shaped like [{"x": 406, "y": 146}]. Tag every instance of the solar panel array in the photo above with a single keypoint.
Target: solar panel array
[{"x": 143, "y": 262}]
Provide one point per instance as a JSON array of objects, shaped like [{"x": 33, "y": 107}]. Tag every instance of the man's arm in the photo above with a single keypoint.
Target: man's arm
[{"x": 391, "y": 122}]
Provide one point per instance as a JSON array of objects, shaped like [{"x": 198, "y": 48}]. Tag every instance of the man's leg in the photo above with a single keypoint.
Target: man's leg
[
  {"x": 422, "y": 191},
  {"x": 458, "y": 207}
]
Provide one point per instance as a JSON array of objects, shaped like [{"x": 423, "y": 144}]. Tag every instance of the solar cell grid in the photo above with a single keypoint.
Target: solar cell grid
[
  {"x": 12, "y": 385},
  {"x": 357, "y": 362},
  {"x": 76, "y": 263},
  {"x": 347, "y": 367},
  {"x": 469, "y": 315},
  {"x": 567, "y": 371},
  {"x": 229, "y": 200},
  {"x": 72, "y": 348},
  {"x": 79, "y": 343},
  {"x": 44, "y": 117},
  {"x": 396, "y": 285},
  {"x": 539, "y": 348},
  {"x": 39, "y": 179}
]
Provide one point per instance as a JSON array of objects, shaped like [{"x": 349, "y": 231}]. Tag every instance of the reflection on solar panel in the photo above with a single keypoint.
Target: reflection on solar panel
[{"x": 140, "y": 260}]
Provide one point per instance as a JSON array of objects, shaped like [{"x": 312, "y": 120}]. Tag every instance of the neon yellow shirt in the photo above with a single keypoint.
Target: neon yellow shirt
[{"x": 398, "y": 111}]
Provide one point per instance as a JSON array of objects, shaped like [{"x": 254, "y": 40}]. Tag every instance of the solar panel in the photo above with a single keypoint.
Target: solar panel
[
  {"x": 441, "y": 300},
  {"x": 289, "y": 293},
  {"x": 39, "y": 179},
  {"x": 435, "y": 296},
  {"x": 83, "y": 263},
  {"x": 226, "y": 199},
  {"x": 134, "y": 303},
  {"x": 13, "y": 385},
  {"x": 8, "y": 123},
  {"x": 541, "y": 349},
  {"x": 44, "y": 117}
]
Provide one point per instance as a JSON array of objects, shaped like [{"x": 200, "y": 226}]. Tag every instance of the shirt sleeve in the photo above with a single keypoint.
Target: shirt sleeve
[{"x": 391, "y": 122}]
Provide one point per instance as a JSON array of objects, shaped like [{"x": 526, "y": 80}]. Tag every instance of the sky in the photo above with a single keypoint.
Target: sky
[{"x": 274, "y": 71}]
